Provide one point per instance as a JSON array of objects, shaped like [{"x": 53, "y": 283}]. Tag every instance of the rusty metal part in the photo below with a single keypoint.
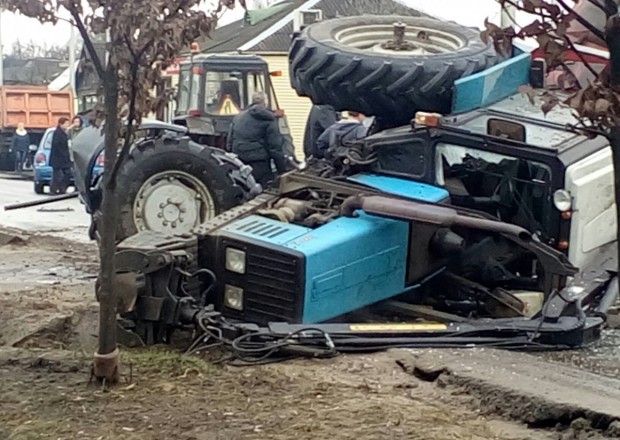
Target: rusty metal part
[
  {"x": 430, "y": 214},
  {"x": 399, "y": 42},
  {"x": 128, "y": 286},
  {"x": 399, "y": 32},
  {"x": 137, "y": 261},
  {"x": 285, "y": 215},
  {"x": 262, "y": 201},
  {"x": 318, "y": 219},
  {"x": 287, "y": 210}
]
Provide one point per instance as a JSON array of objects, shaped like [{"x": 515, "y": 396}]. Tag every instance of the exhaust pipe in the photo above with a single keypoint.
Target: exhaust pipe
[{"x": 429, "y": 214}]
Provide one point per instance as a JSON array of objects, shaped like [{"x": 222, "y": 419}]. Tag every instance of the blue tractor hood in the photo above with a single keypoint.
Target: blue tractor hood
[{"x": 345, "y": 264}]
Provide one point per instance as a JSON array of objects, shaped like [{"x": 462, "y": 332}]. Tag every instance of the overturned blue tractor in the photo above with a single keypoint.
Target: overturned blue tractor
[{"x": 491, "y": 226}]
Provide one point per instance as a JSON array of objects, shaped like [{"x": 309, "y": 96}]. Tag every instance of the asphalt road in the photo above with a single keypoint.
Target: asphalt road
[{"x": 66, "y": 219}]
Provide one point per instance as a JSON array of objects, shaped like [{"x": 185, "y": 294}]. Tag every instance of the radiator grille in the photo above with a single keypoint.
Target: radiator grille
[{"x": 271, "y": 284}]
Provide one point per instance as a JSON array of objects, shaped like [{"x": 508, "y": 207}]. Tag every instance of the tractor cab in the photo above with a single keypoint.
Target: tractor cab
[{"x": 213, "y": 89}]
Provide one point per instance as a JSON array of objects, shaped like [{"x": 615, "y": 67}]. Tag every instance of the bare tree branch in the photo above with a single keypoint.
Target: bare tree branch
[
  {"x": 582, "y": 58},
  {"x": 582, "y": 21},
  {"x": 88, "y": 43}
]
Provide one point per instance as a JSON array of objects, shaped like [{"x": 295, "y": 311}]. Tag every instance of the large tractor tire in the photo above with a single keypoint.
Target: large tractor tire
[
  {"x": 354, "y": 64},
  {"x": 171, "y": 185}
]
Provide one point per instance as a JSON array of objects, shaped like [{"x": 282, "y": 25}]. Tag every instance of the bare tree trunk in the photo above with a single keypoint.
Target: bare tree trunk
[
  {"x": 612, "y": 37},
  {"x": 614, "y": 140},
  {"x": 106, "y": 364}
]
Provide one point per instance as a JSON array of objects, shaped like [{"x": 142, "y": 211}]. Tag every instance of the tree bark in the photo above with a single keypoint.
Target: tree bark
[
  {"x": 612, "y": 37},
  {"x": 106, "y": 364}
]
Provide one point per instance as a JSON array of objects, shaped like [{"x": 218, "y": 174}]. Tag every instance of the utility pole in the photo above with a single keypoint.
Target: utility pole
[
  {"x": 1, "y": 53},
  {"x": 72, "y": 70}
]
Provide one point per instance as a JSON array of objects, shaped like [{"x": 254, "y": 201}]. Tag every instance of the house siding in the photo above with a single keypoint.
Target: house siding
[{"x": 296, "y": 108}]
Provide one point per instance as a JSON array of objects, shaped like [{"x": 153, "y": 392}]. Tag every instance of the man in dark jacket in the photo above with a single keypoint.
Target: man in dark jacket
[
  {"x": 255, "y": 137},
  {"x": 321, "y": 117},
  {"x": 60, "y": 161}
]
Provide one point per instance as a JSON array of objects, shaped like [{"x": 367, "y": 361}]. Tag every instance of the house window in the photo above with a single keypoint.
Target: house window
[{"x": 87, "y": 102}]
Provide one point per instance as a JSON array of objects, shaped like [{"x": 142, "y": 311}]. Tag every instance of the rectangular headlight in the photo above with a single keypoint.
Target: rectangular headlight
[
  {"x": 235, "y": 260},
  {"x": 233, "y": 297}
]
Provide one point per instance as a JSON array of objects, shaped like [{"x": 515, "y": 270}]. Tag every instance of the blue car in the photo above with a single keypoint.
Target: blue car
[{"x": 43, "y": 171}]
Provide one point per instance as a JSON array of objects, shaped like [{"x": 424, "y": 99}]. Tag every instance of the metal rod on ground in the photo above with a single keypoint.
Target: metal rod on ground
[{"x": 41, "y": 202}]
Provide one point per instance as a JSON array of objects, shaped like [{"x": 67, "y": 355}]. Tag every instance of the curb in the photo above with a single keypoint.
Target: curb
[
  {"x": 523, "y": 387},
  {"x": 16, "y": 176}
]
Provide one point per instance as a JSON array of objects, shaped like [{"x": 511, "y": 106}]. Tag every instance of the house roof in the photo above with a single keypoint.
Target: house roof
[
  {"x": 35, "y": 72},
  {"x": 280, "y": 40},
  {"x": 231, "y": 37},
  {"x": 269, "y": 30}
]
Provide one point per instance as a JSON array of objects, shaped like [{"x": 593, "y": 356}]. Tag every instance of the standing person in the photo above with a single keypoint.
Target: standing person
[
  {"x": 60, "y": 160},
  {"x": 321, "y": 117},
  {"x": 255, "y": 137},
  {"x": 74, "y": 130},
  {"x": 20, "y": 145},
  {"x": 345, "y": 130},
  {"x": 76, "y": 127}
]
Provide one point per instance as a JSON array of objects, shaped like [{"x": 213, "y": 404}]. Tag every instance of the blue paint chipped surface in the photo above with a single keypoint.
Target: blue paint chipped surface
[
  {"x": 401, "y": 187},
  {"x": 491, "y": 85}
]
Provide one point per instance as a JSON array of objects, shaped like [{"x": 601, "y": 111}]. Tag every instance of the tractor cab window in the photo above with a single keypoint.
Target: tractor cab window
[
  {"x": 227, "y": 93},
  {"x": 224, "y": 93},
  {"x": 194, "y": 87},
  {"x": 183, "y": 92},
  {"x": 514, "y": 189}
]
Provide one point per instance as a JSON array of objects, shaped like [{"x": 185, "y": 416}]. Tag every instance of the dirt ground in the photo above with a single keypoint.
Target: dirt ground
[{"x": 47, "y": 331}]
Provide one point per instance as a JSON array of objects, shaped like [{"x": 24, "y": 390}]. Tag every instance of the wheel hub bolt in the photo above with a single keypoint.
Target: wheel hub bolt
[{"x": 399, "y": 33}]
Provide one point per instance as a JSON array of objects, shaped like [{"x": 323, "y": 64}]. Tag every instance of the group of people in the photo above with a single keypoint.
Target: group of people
[
  {"x": 255, "y": 136},
  {"x": 59, "y": 158}
]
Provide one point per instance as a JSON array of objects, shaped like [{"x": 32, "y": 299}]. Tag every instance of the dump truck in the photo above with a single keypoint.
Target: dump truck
[
  {"x": 488, "y": 225},
  {"x": 37, "y": 107}
]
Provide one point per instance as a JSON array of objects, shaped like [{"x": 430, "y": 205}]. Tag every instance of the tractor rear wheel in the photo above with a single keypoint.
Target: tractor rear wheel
[{"x": 375, "y": 66}]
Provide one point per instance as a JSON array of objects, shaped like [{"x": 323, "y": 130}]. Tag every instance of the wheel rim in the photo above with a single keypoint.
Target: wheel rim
[
  {"x": 172, "y": 202},
  {"x": 399, "y": 38}
]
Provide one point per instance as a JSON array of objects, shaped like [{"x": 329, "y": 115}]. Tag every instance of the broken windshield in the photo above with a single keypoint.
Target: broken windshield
[{"x": 514, "y": 189}]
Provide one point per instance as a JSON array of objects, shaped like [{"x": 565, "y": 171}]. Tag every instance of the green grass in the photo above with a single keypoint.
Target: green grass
[{"x": 167, "y": 362}]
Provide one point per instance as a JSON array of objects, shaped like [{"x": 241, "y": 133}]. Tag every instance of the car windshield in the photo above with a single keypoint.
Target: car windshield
[{"x": 46, "y": 142}]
